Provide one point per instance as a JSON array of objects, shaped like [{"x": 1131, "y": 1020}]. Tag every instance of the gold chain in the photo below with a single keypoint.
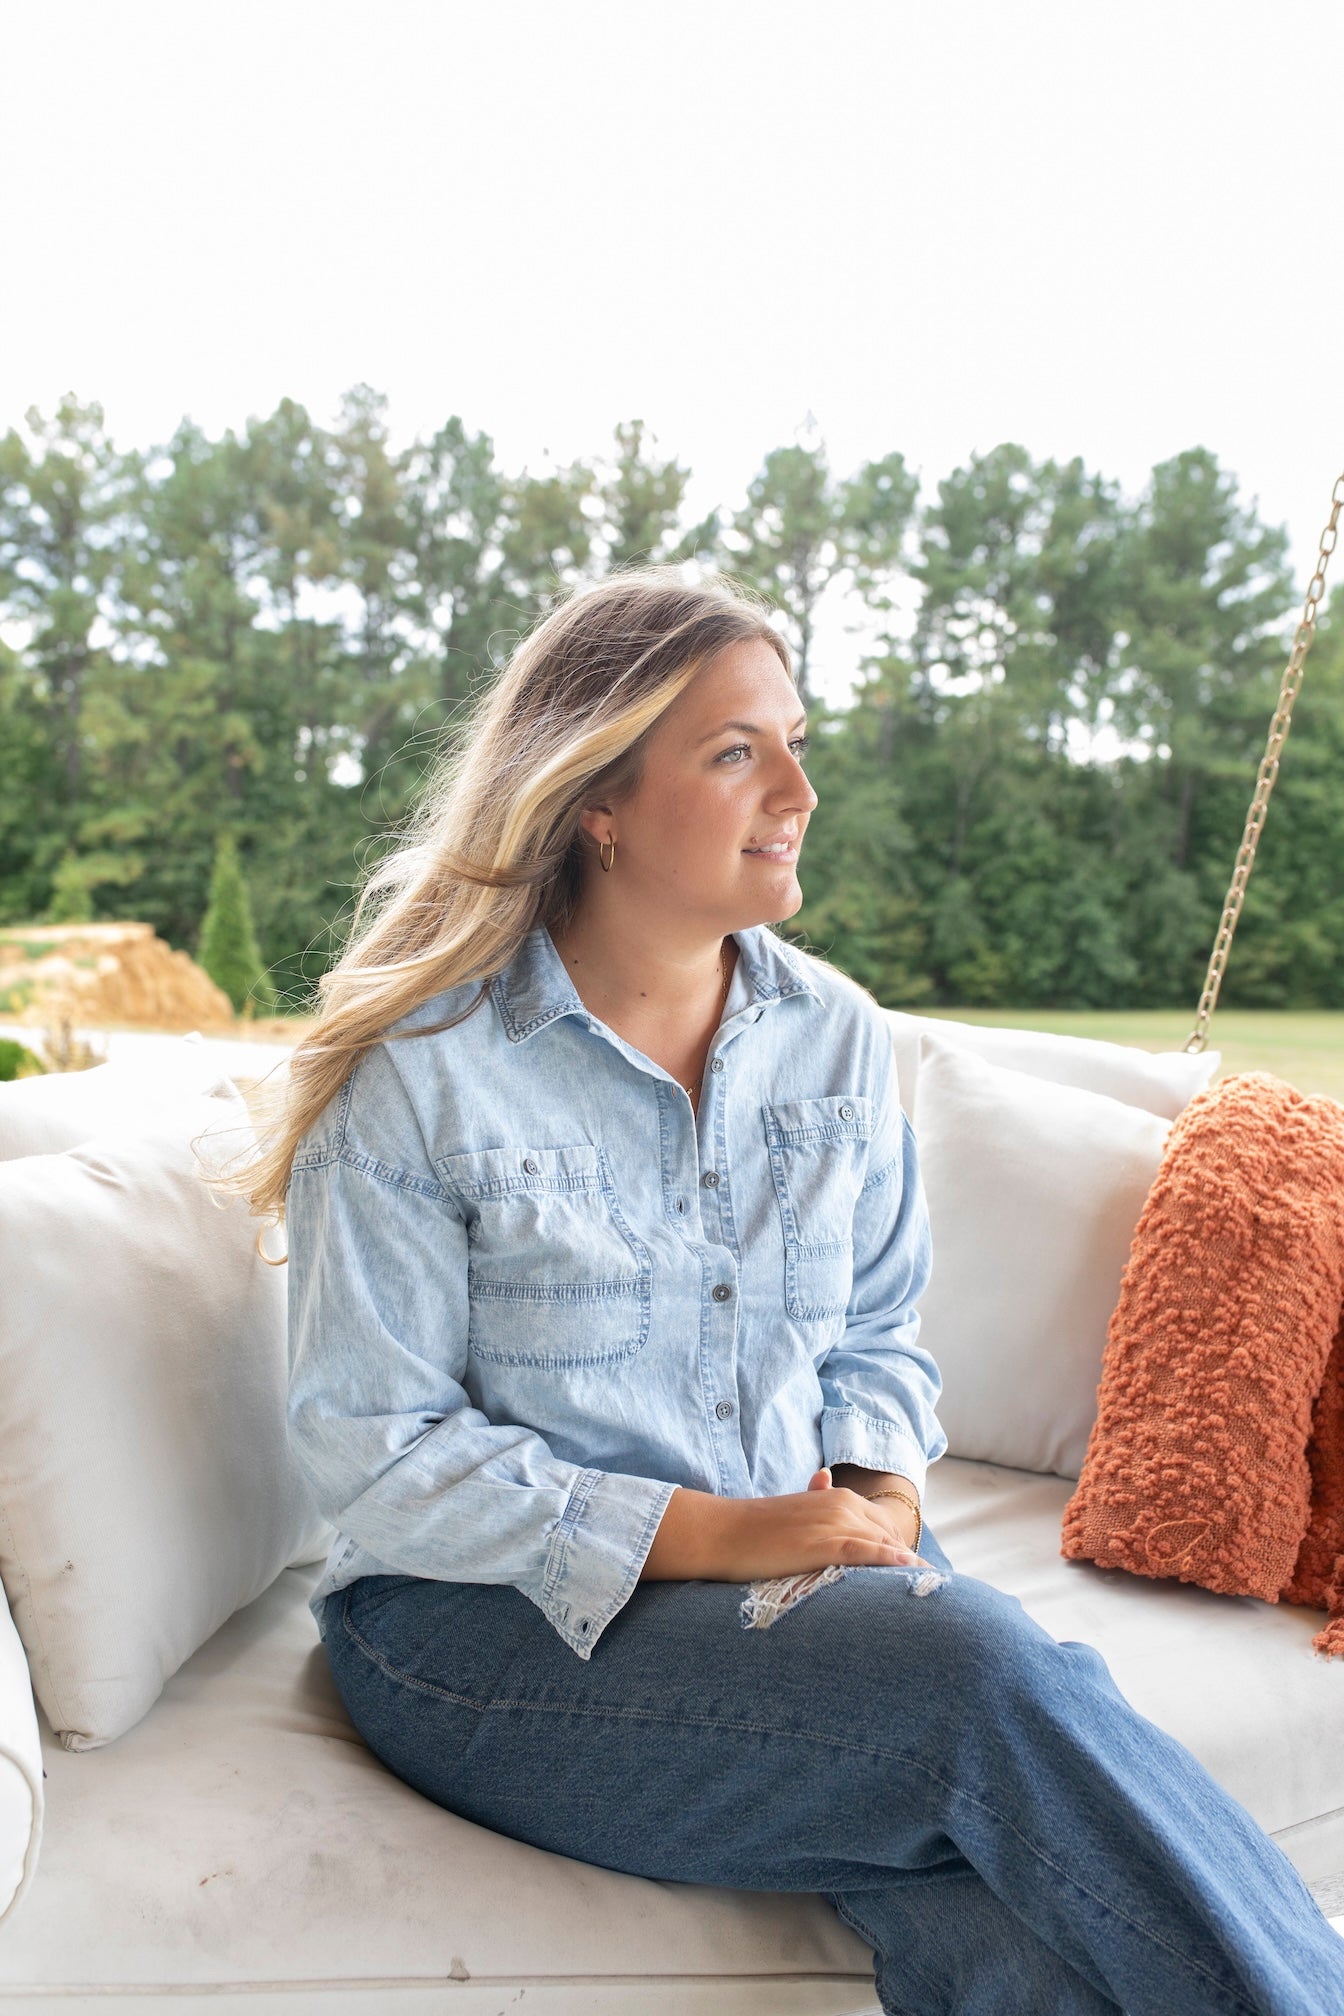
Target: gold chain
[{"x": 1269, "y": 770}]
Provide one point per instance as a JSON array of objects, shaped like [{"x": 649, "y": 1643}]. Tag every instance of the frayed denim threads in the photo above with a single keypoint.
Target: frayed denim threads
[{"x": 767, "y": 1601}]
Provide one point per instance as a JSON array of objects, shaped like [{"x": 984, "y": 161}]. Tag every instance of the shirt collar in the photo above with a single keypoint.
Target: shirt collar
[{"x": 534, "y": 988}]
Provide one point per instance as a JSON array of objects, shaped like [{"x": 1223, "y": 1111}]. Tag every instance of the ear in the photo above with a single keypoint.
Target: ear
[{"x": 595, "y": 820}]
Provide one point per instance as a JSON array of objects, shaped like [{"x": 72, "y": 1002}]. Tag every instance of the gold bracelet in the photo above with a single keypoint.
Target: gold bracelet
[{"x": 914, "y": 1507}]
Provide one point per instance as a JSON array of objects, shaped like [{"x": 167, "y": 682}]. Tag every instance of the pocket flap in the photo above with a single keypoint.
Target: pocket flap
[
  {"x": 802, "y": 1123},
  {"x": 498, "y": 1172}
]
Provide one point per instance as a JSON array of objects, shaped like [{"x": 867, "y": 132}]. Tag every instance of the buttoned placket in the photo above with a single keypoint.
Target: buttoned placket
[
  {"x": 720, "y": 1328},
  {"x": 719, "y": 1269}
]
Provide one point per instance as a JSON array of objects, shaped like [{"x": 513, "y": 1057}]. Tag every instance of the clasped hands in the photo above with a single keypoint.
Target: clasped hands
[{"x": 705, "y": 1536}]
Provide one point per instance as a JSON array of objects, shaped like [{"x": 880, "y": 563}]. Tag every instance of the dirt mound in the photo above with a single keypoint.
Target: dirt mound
[{"x": 98, "y": 973}]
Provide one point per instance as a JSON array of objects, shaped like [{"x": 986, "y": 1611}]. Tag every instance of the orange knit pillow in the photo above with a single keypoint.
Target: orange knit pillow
[{"x": 1217, "y": 1455}]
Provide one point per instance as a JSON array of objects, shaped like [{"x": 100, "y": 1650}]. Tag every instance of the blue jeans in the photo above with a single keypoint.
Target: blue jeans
[{"x": 977, "y": 1800}]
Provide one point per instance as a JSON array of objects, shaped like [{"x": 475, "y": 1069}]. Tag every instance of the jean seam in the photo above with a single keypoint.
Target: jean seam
[
  {"x": 851, "y": 1918},
  {"x": 1144, "y": 1931},
  {"x": 396, "y": 1672},
  {"x": 795, "y": 1735}
]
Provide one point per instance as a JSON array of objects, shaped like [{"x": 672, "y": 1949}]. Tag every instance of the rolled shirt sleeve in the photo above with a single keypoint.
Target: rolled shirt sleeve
[
  {"x": 379, "y": 1420},
  {"x": 879, "y": 1385}
]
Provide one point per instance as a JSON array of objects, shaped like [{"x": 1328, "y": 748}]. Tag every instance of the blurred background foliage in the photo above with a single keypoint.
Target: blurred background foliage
[{"x": 248, "y": 651}]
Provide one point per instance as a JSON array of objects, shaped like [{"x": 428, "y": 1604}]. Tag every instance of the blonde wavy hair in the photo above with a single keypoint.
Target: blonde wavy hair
[{"x": 493, "y": 844}]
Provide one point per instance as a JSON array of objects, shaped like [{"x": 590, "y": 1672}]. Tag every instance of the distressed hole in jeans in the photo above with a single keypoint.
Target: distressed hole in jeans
[{"x": 766, "y": 1601}]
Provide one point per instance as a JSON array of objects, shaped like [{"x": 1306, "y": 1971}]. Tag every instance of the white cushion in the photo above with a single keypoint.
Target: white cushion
[
  {"x": 1034, "y": 1192},
  {"x": 1162, "y": 1082},
  {"x": 21, "y": 1790},
  {"x": 40, "y": 1116},
  {"x": 148, "y": 1485},
  {"x": 257, "y": 1841}
]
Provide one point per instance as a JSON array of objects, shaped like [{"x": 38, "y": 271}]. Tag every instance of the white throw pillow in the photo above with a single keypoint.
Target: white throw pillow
[
  {"x": 1162, "y": 1082},
  {"x": 1034, "y": 1192},
  {"x": 147, "y": 1489},
  {"x": 40, "y": 1116},
  {"x": 21, "y": 1791}
]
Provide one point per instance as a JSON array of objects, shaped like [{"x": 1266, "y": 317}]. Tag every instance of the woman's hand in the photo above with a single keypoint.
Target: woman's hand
[
  {"x": 703, "y": 1537},
  {"x": 905, "y": 1519}
]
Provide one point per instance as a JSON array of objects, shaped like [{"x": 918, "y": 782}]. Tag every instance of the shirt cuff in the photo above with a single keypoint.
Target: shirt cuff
[
  {"x": 600, "y": 1544},
  {"x": 850, "y": 1437}
]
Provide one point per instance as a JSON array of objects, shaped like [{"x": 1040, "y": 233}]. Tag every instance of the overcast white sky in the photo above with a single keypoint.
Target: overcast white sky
[{"x": 1113, "y": 231}]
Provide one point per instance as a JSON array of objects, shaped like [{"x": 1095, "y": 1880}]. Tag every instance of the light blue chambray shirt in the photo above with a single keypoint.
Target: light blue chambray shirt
[{"x": 531, "y": 1290}]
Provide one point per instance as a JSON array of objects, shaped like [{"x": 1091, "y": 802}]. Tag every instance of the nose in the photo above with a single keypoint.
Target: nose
[{"x": 794, "y": 784}]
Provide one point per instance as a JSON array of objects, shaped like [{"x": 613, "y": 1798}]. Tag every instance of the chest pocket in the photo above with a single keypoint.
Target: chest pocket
[
  {"x": 818, "y": 1157},
  {"x": 555, "y": 1276}
]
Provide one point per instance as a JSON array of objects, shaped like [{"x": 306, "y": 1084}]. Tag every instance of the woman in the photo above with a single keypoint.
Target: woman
[{"x": 606, "y": 1235}]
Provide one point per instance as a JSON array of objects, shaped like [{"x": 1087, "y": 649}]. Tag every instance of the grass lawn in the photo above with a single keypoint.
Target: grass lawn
[{"x": 1306, "y": 1048}]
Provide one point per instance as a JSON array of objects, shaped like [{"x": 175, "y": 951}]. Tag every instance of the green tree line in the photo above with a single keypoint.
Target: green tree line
[{"x": 259, "y": 644}]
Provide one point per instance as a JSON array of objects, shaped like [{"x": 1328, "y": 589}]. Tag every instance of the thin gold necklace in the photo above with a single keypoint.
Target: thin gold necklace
[{"x": 691, "y": 1090}]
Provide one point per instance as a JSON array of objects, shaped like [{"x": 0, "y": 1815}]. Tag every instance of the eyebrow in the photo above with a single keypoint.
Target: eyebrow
[{"x": 747, "y": 727}]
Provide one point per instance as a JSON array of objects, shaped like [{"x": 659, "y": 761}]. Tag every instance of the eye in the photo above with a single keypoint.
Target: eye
[{"x": 802, "y": 743}]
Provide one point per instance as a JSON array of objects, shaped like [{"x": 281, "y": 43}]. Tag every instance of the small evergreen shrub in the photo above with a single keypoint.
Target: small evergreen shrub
[
  {"x": 71, "y": 895},
  {"x": 228, "y": 946},
  {"x": 16, "y": 1062}
]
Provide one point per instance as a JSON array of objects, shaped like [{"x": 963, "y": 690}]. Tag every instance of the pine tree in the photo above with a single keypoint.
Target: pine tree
[{"x": 228, "y": 949}]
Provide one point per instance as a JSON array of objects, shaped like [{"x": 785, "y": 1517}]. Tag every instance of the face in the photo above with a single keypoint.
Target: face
[{"x": 724, "y": 779}]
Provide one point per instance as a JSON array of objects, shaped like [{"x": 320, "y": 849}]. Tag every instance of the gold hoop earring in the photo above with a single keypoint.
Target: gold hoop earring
[{"x": 602, "y": 855}]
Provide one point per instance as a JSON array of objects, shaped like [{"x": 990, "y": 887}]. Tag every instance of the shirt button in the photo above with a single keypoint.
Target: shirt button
[
  {"x": 530, "y": 1166},
  {"x": 710, "y": 1179},
  {"x": 846, "y": 1112},
  {"x": 717, "y": 1065},
  {"x": 724, "y": 1409},
  {"x": 721, "y": 1291}
]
